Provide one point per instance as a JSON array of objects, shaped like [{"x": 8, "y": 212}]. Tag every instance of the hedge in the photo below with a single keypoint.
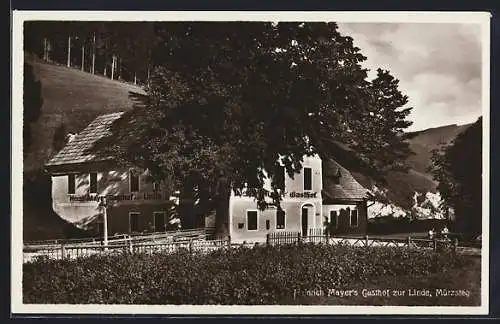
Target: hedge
[{"x": 259, "y": 275}]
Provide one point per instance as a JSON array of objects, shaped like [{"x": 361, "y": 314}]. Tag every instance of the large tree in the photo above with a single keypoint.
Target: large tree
[
  {"x": 228, "y": 100},
  {"x": 458, "y": 169}
]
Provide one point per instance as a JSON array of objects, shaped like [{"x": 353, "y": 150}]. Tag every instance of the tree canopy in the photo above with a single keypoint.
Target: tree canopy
[
  {"x": 458, "y": 169},
  {"x": 229, "y": 100}
]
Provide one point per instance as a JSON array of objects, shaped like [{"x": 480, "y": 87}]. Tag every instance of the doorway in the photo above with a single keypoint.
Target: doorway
[
  {"x": 305, "y": 219},
  {"x": 159, "y": 221}
]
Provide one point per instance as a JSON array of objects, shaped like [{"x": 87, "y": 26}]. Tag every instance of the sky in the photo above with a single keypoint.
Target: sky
[{"x": 438, "y": 65}]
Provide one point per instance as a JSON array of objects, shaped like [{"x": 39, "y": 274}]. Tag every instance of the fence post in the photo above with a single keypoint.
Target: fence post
[
  {"x": 366, "y": 240},
  {"x": 268, "y": 239},
  {"x": 190, "y": 246},
  {"x": 63, "y": 251},
  {"x": 298, "y": 238},
  {"x": 435, "y": 244},
  {"x": 131, "y": 248},
  {"x": 455, "y": 244},
  {"x": 409, "y": 241},
  {"x": 229, "y": 241}
]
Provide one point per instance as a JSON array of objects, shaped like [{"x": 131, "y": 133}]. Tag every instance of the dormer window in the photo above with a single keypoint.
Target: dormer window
[
  {"x": 279, "y": 177},
  {"x": 307, "y": 179},
  {"x": 336, "y": 178}
]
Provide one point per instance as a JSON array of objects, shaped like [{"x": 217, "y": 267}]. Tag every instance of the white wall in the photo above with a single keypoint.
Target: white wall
[
  {"x": 113, "y": 183},
  {"x": 239, "y": 205}
]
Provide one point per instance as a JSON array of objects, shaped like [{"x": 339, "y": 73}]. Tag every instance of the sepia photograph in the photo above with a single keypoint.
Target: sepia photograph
[{"x": 205, "y": 163}]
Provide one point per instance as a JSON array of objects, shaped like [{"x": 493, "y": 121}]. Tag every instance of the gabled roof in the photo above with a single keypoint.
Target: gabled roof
[
  {"x": 347, "y": 188},
  {"x": 82, "y": 148}
]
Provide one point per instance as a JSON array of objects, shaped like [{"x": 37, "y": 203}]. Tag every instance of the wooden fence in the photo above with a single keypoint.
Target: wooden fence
[
  {"x": 198, "y": 244},
  {"x": 317, "y": 236}
]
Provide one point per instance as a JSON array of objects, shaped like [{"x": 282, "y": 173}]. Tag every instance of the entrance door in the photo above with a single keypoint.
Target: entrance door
[
  {"x": 159, "y": 221},
  {"x": 305, "y": 217}
]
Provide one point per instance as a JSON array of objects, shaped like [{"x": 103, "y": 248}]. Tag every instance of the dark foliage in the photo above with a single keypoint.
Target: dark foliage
[
  {"x": 223, "y": 277},
  {"x": 458, "y": 169},
  {"x": 59, "y": 139},
  {"x": 32, "y": 102}
]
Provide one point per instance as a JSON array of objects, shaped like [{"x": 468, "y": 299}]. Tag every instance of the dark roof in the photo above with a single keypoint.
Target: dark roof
[
  {"x": 81, "y": 148},
  {"x": 347, "y": 188}
]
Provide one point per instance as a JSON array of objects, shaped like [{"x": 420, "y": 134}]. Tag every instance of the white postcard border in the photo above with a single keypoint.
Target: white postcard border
[{"x": 18, "y": 18}]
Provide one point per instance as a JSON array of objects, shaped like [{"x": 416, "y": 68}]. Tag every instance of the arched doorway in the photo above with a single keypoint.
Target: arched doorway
[{"x": 307, "y": 218}]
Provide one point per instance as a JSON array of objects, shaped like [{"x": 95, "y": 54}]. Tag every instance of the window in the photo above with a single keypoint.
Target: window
[
  {"x": 71, "y": 183},
  {"x": 336, "y": 178},
  {"x": 333, "y": 219},
  {"x": 159, "y": 219},
  {"x": 93, "y": 182},
  {"x": 354, "y": 218},
  {"x": 280, "y": 219},
  {"x": 279, "y": 177},
  {"x": 268, "y": 224},
  {"x": 307, "y": 179},
  {"x": 133, "y": 181},
  {"x": 252, "y": 220},
  {"x": 133, "y": 221}
]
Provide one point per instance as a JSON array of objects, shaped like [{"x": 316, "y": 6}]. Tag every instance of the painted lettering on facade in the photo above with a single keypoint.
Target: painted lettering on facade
[{"x": 121, "y": 197}]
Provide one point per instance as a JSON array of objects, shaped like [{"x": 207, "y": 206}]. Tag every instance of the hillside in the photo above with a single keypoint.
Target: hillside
[{"x": 71, "y": 98}]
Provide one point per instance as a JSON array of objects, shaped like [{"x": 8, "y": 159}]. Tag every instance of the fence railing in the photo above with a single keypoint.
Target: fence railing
[
  {"x": 117, "y": 238},
  {"x": 199, "y": 244},
  {"x": 317, "y": 236}
]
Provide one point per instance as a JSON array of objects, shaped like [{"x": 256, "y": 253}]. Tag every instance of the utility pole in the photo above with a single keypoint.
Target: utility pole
[{"x": 104, "y": 205}]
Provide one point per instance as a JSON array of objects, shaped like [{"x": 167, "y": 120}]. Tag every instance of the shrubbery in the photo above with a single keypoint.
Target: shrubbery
[{"x": 261, "y": 275}]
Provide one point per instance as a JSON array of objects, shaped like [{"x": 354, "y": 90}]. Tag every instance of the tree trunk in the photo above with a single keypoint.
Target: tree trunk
[
  {"x": 45, "y": 50},
  {"x": 147, "y": 79},
  {"x": 186, "y": 206},
  {"x": 120, "y": 68},
  {"x": 113, "y": 66},
  {"x": 83, "y": 57},
  {"x": 222, "y": 213},
  {"x": 69, "y": 51},
  {"x": 105, "y": 70},
  {"x": 93, "y": 54}
]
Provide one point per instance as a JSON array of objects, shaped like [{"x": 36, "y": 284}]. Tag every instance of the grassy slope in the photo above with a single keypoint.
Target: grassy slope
[{"x": 74, "y": 98}]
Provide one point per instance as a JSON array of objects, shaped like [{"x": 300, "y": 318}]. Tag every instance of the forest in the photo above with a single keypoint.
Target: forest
[{"x": 117, "y": 50}]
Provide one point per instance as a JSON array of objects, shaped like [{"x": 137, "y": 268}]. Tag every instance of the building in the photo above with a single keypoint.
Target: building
[
  {"x": 324, "y": 191},
  {"x": 82, "y": 175}
]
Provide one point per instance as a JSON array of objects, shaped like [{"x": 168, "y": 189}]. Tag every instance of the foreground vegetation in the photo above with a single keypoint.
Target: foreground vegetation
[{"x": 261, "y": 275}]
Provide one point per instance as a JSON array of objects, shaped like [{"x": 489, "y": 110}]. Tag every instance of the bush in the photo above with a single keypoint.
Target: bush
[{"x": 259, "y": 275}]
